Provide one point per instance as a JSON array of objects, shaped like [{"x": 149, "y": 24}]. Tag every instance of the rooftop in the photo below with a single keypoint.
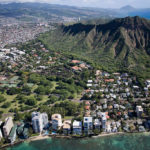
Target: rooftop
[{"x": 88, "y": 119}]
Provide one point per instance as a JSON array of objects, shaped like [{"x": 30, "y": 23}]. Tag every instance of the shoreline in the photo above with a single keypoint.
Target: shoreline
[
  {"x": 109, "y": 134},
  {"x": 40, "y": 137}
]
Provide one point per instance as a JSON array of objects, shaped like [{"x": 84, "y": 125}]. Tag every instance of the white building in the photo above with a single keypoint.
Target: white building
[
  {"x": 139, "y": 111},
  {"x": 45, "y": 120},
  {"x": 56, "y": 121},
  {"x": 7, "y": 126},
  {"x": 148, "y": 83},
  {"x": 108, "y": 127},
  {"x": 88, "y": 124},
  {"x": 67, "y": 127},
  {"x": 77, "y": 127},
  {"x": 1, "y": 136},
  {"x": 39, "y": 121},
  {"x": 97, "y": 124},
  {"x": 104, "y": 119}
]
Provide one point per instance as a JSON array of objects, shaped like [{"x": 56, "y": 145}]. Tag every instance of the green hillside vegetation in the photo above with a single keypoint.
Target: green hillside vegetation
[{"x": 119, "y": 45}]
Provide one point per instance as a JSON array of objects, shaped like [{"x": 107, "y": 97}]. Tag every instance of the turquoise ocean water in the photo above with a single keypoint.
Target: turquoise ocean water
[{"x": 115, "y": 142}]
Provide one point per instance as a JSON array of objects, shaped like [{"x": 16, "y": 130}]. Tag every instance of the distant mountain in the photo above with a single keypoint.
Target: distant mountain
[
  {"x": 56, "y": 13},
  {"x": 131, "y": 11},
  {"x": 127, "y": 8},
  {"x": 121, "y": 44},
  {"x": 50, "y": 11}
]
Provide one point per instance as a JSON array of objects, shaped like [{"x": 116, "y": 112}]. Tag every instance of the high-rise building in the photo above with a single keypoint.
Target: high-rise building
[
  {"x": 45, "y": 120},
  {"x": 39, "y": 121},
  {"x": 7, "y": 126}
]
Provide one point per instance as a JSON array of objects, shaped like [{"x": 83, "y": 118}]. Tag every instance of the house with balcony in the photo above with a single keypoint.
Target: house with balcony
[{"x": 77, "y": 127}]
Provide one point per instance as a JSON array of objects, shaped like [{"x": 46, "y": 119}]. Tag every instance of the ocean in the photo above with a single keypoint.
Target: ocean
[{"x": 136, "y": 141}]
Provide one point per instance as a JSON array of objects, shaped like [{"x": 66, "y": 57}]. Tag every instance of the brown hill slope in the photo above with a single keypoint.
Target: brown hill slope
[{"x": 122, "y": 44}]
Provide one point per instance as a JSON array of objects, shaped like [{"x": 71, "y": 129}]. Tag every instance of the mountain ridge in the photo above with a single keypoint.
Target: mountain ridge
[{"x": 119, "y": 44}]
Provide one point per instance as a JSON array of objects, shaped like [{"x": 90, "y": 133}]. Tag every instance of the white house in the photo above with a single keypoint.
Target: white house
[
  {"x": 77, "y": 127},
  {"x": 97, "y": 124},
  {"x": 139, "y": 111},
  {"x": 88, "y": 124}
]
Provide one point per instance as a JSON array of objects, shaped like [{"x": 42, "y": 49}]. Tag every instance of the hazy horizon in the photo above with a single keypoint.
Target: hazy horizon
[{"x": 90, "y": 3}]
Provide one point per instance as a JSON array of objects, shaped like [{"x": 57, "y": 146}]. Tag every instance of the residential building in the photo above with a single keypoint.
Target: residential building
[
  {"x": 104, "y": 119},
  {"x": 88, "y": 124},
  {"x": 97, "y": 124},
  {"x": 45, "y": 120},
  {"x": 148, "y": 83},
  {"x": 67, "y": 127},
  {"x": 12, "y": 135},
  {"x": 77, "y": 127},
  {"x": 7, "y": 126},
  {"x": 139, "y": 111},
  {"x": 108, "y": 127},
  {"x": 22, "y": 130},
  {"x": 56, "y": 121},
  {"x": 1, "y": 136},
  {"x": 39, "y": 121}
]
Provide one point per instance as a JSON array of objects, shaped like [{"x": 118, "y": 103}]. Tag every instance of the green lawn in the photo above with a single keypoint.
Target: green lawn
[{"x": 68, "y": 117}]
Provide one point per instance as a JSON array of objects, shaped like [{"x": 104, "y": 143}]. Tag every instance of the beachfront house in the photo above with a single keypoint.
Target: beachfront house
[
  {"x": 67, "y": 127},
  {"x": 97, "y": 124},
  {"x": 88, "y": 125},
  {"x": 104, "y": 119},
  {"x": 56, "y": 122},
  {"x": 77, "y": 127}
]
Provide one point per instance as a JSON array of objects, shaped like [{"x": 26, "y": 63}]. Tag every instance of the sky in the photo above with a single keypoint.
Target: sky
[{"x": 92, "y": 3}]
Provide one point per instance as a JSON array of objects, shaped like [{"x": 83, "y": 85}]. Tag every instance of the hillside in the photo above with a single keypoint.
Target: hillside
[{"x": 121, "y": 44}]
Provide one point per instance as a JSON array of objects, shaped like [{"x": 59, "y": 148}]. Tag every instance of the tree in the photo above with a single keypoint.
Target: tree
[
  {"x": 21, "y": 98},
  {"x": 2, "y": 141},
  {"x": 18, "y": 116},
  {"x": 96, "y": 131},
  {"x": 42, "y": 90},
  {"x": 1, "y": 112},
  {"x": 6, "y": 105},
  {"x": 13, "y": 91},
  {"x": 53, "y": 99},
  {"x": 2, "y": 98},
  {"x": 31, "y": 101},
  {"x": 26, "y": 89}
]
